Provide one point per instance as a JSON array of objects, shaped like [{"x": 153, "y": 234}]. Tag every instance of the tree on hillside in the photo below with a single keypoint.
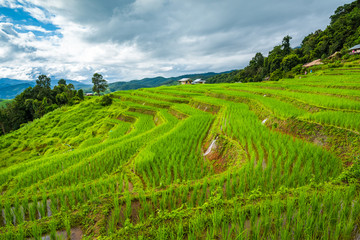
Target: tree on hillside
[
  {"x": 100, "y": 84},
  {"x": 80, "y": 94},
  {"x": 286, "y": 44},
  {"x": 2, "y": 120},
  {"x": 289, "y": 62},
  {"x": 62, "y": 81},
  {"x": 43, "y": 87},
  {"x": 43, "y": 81}
]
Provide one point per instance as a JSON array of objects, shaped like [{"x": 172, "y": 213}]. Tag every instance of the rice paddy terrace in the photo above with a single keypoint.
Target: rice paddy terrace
[{"x": 272, "y": 160}]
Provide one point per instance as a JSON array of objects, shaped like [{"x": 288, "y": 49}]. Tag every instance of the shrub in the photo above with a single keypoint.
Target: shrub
[{"x": 106, "y": 100}]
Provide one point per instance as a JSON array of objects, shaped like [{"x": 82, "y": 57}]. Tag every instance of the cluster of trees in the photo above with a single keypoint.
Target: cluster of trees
[
  {"x": 36, "y": 101},
  {"x": 283, "y": 61}
]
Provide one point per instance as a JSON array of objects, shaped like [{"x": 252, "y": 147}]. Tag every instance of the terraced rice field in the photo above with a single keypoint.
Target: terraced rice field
[{"x": 274, "y": 160}]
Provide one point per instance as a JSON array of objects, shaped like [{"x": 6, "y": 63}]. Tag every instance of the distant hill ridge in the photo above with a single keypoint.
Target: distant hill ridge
[
  {"x": 157, "y": 81},
  {"x": 9, "y": 88}
]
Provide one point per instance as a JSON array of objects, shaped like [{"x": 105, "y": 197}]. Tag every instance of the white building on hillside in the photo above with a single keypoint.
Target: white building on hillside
[{"x": 199, "y": 81}]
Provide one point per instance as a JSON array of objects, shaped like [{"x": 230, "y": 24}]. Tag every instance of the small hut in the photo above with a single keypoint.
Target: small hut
[
  {"x": 199, "y": 81},
  {"x": 355, "y": 50},
  {"x": 184, "y": 81}
]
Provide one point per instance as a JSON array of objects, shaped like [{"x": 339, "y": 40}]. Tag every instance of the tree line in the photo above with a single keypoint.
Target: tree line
[
  {"x": 35, "y": 102},
  {"x": 284, "y": 61}
]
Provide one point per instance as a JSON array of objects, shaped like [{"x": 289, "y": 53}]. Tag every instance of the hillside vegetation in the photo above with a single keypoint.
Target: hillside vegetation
[
  {"x": 3, "y": 102},
  {"x": 271, "y": 160},
  {"x": 10, "y": 88},
  {"x": 35, "y": 102}
]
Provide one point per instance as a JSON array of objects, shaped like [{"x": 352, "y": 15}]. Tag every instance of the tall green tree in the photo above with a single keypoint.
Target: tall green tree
[
  {"x": 80, "y": 94},
  {"x": 289, "y": 62},
  {"x": 286, "y": 45},
  {"x": 2, "y": 120},
  {"x": 62, "y": 81},
  {"x": 100, "y": 84},
  {"x": 43, "y": 81}
]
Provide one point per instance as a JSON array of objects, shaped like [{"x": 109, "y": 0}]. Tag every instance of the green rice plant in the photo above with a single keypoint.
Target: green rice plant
[
  {"x": 155, "y": 153},
  {"x": 52, "y": 226},
  {"x": 153, "y": 95},
  {"x": 162, "y": 233},
  {"x": 41, "y": 208},
  {"x": 191, "y": 234},
  {"x": 8, "y": 213},
  {"x": 112, "y": 224},
  {"x": 9, "y": 234},
  {"x": 71, "y": 200},
  {"x": 163, "y": 201},
  {"x": 310, "y": 98},
  {"x": 194, "y": 195},
  {"x": 180, "y": 231},
  {"x": 217, "y": 218},
  {"x": 25, "y": 205},
  {"x": 20, "y": 235},
  {"x": 79, "y": 197},
  {"x": 348, "y": 120},
  {"x": 228, "y": 188},
  {"x": 67, "y": 224},
  {"x": 128, "y": 205},
  {"x": 18, "y": 211},
  {"x": 32, "y": 211},
  {"x": 204, "y": 188},
  {"x": 36, "y": 232},
  {"x": 53, "y": 204}
]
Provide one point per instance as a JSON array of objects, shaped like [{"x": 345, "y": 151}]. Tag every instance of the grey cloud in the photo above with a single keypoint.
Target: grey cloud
[
  {"x": 222, "y": 26},
  {"x": 158, "y": 30},
  {"x": 191, "y": 35}
]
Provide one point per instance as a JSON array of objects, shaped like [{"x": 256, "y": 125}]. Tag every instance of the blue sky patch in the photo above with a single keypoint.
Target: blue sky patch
[{"x": 22, "y": 18}]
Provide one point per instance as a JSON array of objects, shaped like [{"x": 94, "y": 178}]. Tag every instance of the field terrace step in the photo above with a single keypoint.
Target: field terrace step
[{"x": 160, "y": 97}]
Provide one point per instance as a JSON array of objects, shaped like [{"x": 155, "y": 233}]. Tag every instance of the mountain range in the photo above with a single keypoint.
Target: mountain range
[
  {"x": 157, "y": 81},
  {"x": 9, "y": 88}
]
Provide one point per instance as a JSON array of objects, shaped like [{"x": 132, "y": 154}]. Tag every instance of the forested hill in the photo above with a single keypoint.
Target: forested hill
[{"x": 283, "y": 61}]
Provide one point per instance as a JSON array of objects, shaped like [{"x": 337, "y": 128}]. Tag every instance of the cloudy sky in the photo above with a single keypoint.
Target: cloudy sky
[{"x": 132, "y": 39}]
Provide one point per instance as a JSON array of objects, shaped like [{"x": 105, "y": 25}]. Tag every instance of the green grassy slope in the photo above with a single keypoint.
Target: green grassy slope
[{"x": 277, "y": 160}]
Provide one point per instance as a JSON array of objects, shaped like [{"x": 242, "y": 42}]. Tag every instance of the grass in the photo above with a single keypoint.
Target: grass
[{"x": 137, "y": 169}]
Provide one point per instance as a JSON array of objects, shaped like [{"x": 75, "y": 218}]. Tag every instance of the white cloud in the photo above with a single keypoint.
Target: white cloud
[
  {"x": 32, "y": 28},
  {"x": 9, "y": 3}
]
